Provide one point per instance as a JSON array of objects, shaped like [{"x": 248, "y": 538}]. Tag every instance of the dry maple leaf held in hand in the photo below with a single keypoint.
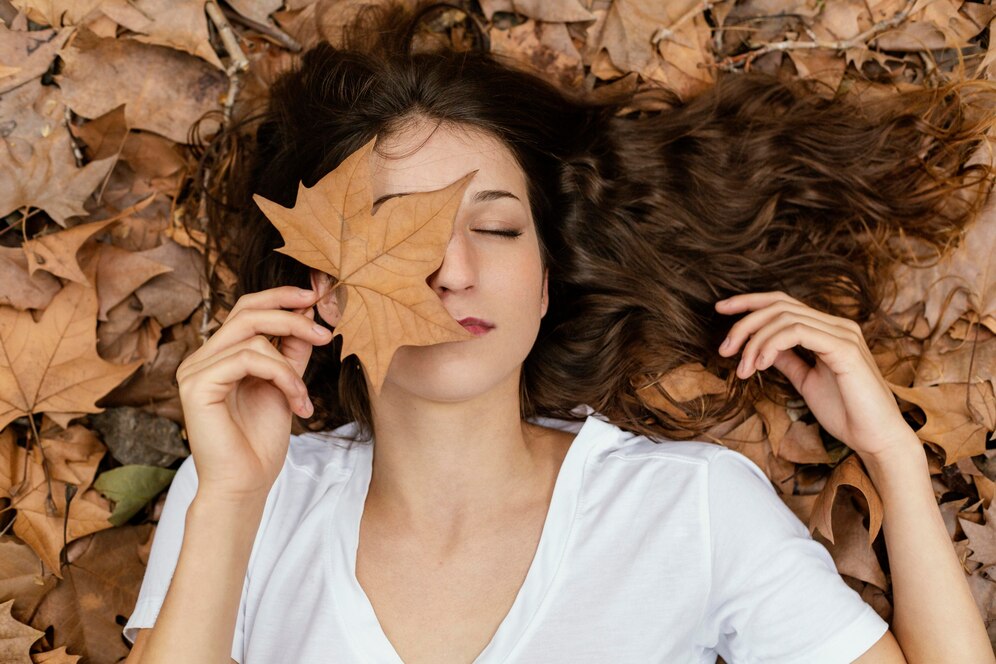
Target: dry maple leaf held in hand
[{"x": 380, "y": 261}]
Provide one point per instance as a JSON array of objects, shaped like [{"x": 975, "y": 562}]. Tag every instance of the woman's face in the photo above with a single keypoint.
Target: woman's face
[{"x": 491, "y": 270}]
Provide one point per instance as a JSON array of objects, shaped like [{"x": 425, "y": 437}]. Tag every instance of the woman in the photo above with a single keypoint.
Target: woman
[{"x": 508, "y": 497}]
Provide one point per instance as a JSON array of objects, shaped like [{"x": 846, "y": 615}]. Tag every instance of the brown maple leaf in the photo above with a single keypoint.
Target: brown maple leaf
[
  {"x": 15, "y": 637},
  {"x": 380, "y": 261},
  {"x": 42, "y": 521},
  {"x": 101, "y": 583},
  {"x": 982, "y": 537},
  {"x": 52, "y": 366},
  {"x": 951, "y": 423}
]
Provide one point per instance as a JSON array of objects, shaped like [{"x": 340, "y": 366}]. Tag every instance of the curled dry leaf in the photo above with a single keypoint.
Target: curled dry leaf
[
  {"x": 850, "y": 472},
  {"x": 851, "y": 550},
  {"x": 380, "y": 261}
]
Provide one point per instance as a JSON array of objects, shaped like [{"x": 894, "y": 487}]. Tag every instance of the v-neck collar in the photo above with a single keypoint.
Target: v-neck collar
[{"x": 353, "y": 607}]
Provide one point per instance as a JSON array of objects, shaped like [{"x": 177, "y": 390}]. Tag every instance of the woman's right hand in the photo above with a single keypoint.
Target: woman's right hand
[{"x": 239, "y": 392}]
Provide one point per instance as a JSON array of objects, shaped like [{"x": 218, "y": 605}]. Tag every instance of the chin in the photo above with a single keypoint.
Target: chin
[{"x": 449, "y": 375}]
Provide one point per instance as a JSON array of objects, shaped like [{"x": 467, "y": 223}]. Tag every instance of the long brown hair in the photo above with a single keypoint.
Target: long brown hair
[{"x": 646, "y": 218}]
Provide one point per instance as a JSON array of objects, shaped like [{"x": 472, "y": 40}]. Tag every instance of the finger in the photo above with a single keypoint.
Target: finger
[
  {"x": 274, "y": 322},
  {"x": 297, "y": 350},
  {"x": 809, "y": 333},
  {"x": 258, "y": 344},
  {"x": 746, "y": 326},
  {"x": 214, "y": 382},
  {"x": 759, "y": 353},
  {"x": 281, "y": 297},
  {"x": 745, "y": 301},
  {"x": 792, "y": 367}
]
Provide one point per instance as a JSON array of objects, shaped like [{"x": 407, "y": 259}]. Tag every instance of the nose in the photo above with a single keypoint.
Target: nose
[{"x": 458, "y": 271}]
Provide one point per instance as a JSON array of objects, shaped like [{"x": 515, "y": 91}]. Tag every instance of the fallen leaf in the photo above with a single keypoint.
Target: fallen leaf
[
  {"x": 961, "y": 281},
  {"x": 58, "y": 13},
  {"x": 21, "y": 577},
  {"x": 72, "y": 454},
  {"x": 120, "y": 273},
  {"x": 171, "y": 297},
  {"x": 101, "y": 74},
  {"x": 45, "y": 531},
  {"x": 179, "y": 25},
  {"x": 128, "y": 335},
  {"x": 849, "y": 472},
  {"x": 627, "y": 28},
  {"x": 15, "y": 637},
  {"x": 682, "y": 384},
  {"x": 28, "y": 54},
  {"x": 544, "y": 49},
  {"x": 131, "y": 488},
  {"x": 52, "y": 366},
  {"x": 37, "y": 167},
  {"x": 56, "y": 252},
  {"x": 100, "y": 584},
  {"x": 982, "y": 538},
  {"x": 552, "y": 11},
  {"x": 256, "y": 10},
  {"x": 950, "y": 424},
  {"x": 852, "y": 552},
  {"x": 57, "y": 656},
  {"x": 380, "y": 261},
  {"x": 802, "y": 444},
  {"x": 21, "y": 289}
]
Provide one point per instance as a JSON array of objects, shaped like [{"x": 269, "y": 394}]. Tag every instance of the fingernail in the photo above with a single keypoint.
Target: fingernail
[
  {"x": 740, "y": 368},
  {"x": 321, "y": 330},
  {"x": 725, "y": 344},
  {"x": 304, "y": 292},
  {"x": 308, "y": 407}
]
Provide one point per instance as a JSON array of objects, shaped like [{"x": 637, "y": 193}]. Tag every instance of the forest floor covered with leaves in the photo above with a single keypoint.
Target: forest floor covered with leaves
[{"x": 108, "y": 280}]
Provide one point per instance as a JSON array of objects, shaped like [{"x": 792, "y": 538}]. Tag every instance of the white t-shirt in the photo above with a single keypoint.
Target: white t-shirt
[{"x": 650, "y": 552}]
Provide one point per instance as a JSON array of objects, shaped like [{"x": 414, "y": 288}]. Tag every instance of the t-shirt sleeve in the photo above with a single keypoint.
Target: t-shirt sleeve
[
  {"x": 163, "y": 557},
  {"x": 775, "y": 595}
]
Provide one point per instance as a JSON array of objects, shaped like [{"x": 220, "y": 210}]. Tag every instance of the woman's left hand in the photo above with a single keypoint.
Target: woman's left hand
[{"x": 845, "y": 389}]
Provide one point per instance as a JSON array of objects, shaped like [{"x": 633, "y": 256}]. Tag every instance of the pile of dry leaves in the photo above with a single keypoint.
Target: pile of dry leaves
[{"x": 106, "y": 280}]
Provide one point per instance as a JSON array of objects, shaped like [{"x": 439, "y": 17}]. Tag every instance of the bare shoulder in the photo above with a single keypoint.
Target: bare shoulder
[
  {"x": 885, "y": 651},
  {"x": 136, "y": 650}
]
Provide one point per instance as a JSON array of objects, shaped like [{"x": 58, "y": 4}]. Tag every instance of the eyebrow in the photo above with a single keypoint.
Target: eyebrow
[{"x": 483, "y": 196}]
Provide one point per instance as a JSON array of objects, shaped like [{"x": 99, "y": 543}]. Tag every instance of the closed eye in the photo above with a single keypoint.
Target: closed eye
[{"x": 504, "y": 233}]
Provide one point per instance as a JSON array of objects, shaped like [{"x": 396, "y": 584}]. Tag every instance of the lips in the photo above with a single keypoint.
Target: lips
[{"x": 476, "y": 326}]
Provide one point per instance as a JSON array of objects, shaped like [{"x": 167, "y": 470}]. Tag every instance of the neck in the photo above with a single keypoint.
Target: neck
[{"x": 442, "y": 467}]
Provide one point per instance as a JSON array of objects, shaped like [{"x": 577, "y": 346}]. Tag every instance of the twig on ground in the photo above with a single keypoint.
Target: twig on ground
[
  {"x": 666, "y": 33},
  {"x": 239, "y": 61},
  {"x": 268, "y": 29},
  {"x": 859, "y": 41}
]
